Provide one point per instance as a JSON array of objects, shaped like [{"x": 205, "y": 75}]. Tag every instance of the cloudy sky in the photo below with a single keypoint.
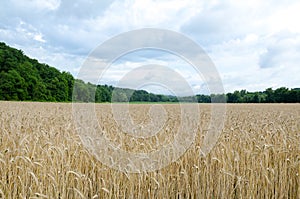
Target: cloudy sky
[{"x": 253, "y": 44}]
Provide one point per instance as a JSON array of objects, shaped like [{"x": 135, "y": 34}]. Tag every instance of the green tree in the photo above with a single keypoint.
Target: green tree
[
  {"x": 269, "y": 95},
  {"x": 281, "y": 95},
  {"x": 12, "y": 86}
]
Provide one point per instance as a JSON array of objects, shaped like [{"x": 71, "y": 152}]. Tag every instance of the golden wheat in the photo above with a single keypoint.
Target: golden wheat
[{"x": 257, "y": 155}]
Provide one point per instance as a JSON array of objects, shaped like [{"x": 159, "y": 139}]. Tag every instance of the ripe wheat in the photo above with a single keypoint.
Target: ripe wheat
[{"x": 257, "y": 155}]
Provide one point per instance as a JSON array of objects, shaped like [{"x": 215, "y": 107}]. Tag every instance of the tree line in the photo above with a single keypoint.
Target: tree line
[
  {"x": 279, "y": 95},
  {"x": 25, "y": 79}
]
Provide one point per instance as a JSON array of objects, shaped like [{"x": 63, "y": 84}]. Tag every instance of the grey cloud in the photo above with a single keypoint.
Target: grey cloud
[
  {"x": 156, "y": 75},
  {"x": 270, "y": 58},
  {"x": 82, "y": 9},
  {"x": 213, "y": 25},
  {"x": 226, "y": 21},
  {"x": 284, "y": 50},
  {"x": 65, "y": 28}
]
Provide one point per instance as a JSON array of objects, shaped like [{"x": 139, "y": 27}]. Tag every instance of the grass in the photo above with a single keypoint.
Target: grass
[{"x": 257, "y": 156}]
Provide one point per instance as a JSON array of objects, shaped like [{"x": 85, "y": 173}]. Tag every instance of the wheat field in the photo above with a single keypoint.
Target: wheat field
[{"x": 256, "y": 156}]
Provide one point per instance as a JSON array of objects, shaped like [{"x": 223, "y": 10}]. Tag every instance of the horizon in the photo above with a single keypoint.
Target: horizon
[
  {"x": 154, "y": 91},
  {"x": 167, "y": 93}
]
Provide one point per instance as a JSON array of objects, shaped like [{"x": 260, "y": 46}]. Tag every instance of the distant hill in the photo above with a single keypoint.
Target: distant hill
[{"x": 25, "y": 79}]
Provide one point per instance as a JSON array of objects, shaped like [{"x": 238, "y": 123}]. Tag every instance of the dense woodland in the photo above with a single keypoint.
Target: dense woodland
[{"x": 25, "y": 79}]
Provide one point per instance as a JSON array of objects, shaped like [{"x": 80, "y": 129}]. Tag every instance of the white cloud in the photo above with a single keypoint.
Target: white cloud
[
  {"x": 143, "y": 13},
  {"x": 39, "y": 37},
  {"x": 37, "y": 5},
  {"x": 254, "y": 44},
  {"x": 284, "y": 19}
]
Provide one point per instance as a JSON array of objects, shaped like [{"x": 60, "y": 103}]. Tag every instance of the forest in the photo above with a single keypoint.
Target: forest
[{"x": 26, "y": 79}]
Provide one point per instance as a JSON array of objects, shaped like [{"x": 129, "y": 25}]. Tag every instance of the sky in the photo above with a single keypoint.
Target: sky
[{"x": 254, "y": 45}]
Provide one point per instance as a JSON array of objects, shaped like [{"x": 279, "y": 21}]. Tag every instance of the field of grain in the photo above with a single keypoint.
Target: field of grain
[{"x": 256, "y": 156}]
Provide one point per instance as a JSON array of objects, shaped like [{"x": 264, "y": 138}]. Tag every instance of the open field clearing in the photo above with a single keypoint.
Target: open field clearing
[{"x": 257, "y": 155}]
